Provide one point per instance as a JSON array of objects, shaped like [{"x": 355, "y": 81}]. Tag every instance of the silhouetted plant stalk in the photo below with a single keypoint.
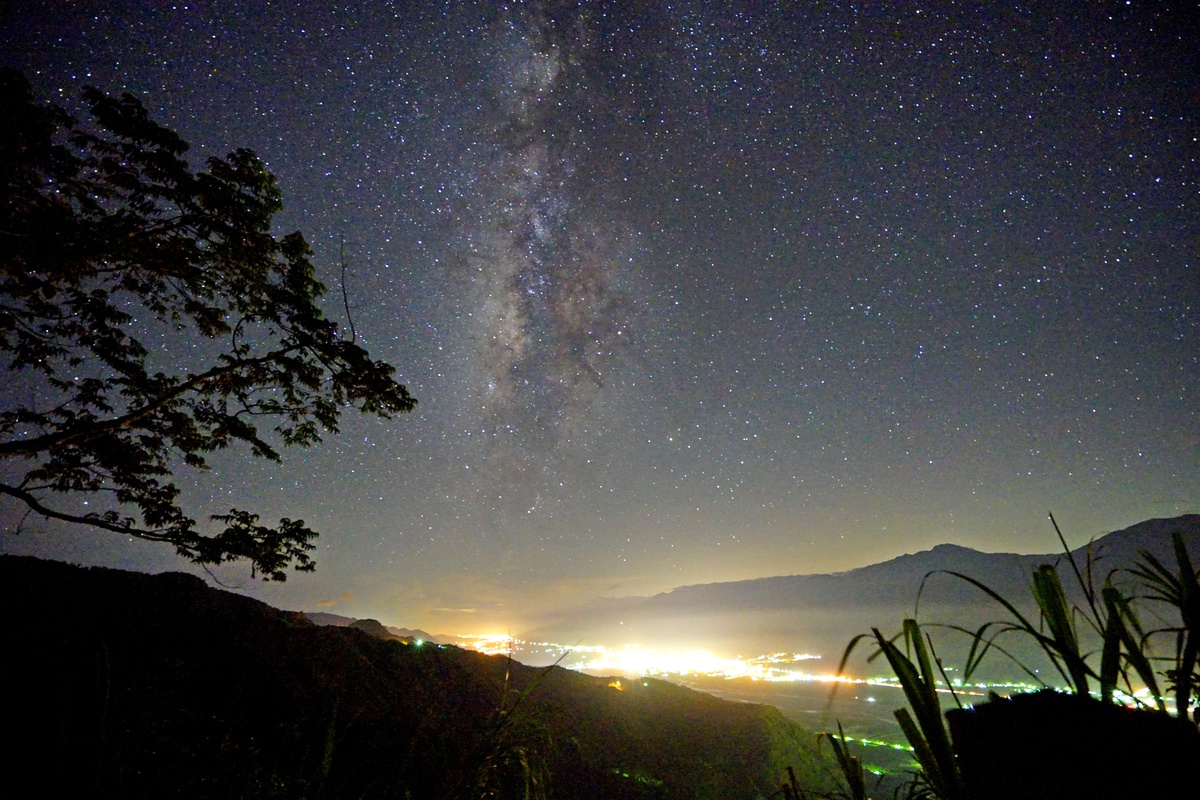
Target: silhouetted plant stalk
[
  {"x": 1125, "y": 651},
  {"x": 1179, "y": 590},
  {"x": 1125, "y": 646},
  {"x": 923, "y": 727},
  {"x": 508, "y": 761},
  {"x": 848, "y": 764}
]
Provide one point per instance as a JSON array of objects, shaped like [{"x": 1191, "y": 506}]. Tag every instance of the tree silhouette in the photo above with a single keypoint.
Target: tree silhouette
[{"x": 148, "y": 317}]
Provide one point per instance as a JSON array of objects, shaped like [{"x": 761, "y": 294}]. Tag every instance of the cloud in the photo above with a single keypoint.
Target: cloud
[{"x": 342, "y": 598}]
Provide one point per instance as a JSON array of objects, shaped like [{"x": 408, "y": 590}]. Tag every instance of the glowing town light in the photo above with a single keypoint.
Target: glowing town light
[
  {"x": 492, "y": 644},
  {"x": 644, "y": 661}
]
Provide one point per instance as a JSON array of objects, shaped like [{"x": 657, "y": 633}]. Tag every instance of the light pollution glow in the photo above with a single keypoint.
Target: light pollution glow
[
  {"x": 636, "y": 660},
  {"x": 639, "y": 661}
]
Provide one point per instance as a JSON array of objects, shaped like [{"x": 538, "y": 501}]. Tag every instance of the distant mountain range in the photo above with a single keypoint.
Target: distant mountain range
[
  {"x": 819, "y": 613},
  {"x": 897, "y": 581}
]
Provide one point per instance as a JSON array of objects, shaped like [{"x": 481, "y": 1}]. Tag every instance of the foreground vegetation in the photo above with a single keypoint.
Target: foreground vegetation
[
  {"x": 148, "y": 318},
  {"x": 1127, "y": 726}
]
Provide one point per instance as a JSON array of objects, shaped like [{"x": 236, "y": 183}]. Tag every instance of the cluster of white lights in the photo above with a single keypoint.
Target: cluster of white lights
[
  {"x": 491, "y": 644},
  {"x": 644, "y": 661},
  {"x": 635, "y": 660}
]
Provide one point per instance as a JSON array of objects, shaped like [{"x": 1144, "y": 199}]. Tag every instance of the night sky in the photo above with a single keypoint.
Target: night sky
[{"x": 694, "y": 291}]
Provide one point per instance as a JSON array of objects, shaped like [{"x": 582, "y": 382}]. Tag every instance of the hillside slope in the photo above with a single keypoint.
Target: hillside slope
[{"x": 125, "y": 684}]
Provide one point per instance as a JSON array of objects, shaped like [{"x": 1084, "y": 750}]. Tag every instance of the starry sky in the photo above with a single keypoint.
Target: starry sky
[{"x": 694, "y": 291}]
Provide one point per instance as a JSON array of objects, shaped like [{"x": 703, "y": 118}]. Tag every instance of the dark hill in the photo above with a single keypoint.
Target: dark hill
[
  {"x": 125, "y": 684},
  {"x": 374, "y": 627},
  {"x": 325, "y": 618},
  {"x": 340, "y": 621}
]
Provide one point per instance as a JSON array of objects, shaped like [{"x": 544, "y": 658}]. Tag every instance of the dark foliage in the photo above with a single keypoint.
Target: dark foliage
[
  {"x": 148, "y": 317},
  {"x": 132, "y": 685},
  {"x": 1052, "y": 745},
  {"x": 1047, "y": 744}
]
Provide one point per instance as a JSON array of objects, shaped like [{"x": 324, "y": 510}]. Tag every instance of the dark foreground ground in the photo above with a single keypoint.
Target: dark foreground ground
[{"x": 124, "y": 684}]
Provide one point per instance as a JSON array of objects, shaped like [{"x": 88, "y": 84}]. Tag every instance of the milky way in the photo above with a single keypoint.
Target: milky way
[
  {"x": 696, "y": 291},
  {"x": 548, "y": 283}
]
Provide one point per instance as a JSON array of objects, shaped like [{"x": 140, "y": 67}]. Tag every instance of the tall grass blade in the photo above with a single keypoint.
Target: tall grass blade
[
  {"x": 1110, "y": 653},
  {"x": 928, "y": 735},
  {"x": 1052, "y": 602},
  {"x": 1084, "y": 584},
  {"x": 942, "y": 671},
  {"x": 1127, "y": 630},
  {"x": 1180, "y": 589},
  {"x": 793, "y": 784},
  {"x": 1048, "y": 644},
  {"x": 923, "y": 752},
  {"x": 846, "y": 660},
  {"x": 982, "y": 644},
  {"x": 849, "y": 765}
]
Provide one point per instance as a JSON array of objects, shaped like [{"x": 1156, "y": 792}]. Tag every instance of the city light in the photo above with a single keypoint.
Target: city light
[
  {"x": 638, "y": 661},
  {"x": 635, "y": 660}
]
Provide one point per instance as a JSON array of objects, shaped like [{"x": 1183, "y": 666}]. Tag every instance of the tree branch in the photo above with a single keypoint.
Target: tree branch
[
  {"x": 345, "y": 294},
  {"x": 93, "y": 520},
  {"x": 49, "y": 441}
]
